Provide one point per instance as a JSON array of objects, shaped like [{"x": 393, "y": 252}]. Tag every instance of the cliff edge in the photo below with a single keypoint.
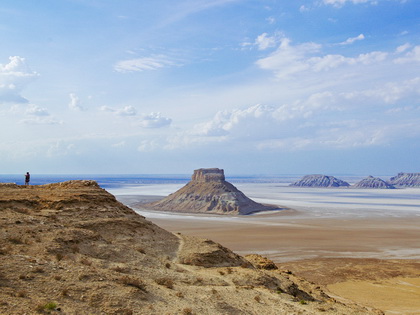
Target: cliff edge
[{"x": 72, "y": 248}]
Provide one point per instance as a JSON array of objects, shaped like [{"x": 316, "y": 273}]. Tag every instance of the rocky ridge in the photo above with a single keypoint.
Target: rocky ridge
[
  {"x": 208, "y": 192},
  {"x": 72, "y": 248},
  {"x": 405, "y": 180},
  {"x": 318, "y": 180},
  {"x": 373, "y": 182}
]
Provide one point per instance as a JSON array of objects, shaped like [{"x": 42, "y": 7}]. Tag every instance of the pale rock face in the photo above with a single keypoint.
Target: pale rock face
[
  {"x": 208, "y": 175},
  {"x": 405, "y": 180},
  {"x": 373, "y": 182},
  {"x": 320, "y": 181}
]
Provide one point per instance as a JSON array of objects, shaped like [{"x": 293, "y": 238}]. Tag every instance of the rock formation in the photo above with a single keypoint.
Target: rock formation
[
  {"x": 373, "y": 182},
  {"x": 405, "y": 180},
  {"x": 319, "y": 181},
  {"x": 209, "y": 192},
  {"x": 72, "y": 248}
]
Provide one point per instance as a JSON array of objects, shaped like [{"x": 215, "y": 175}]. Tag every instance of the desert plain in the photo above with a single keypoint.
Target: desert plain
[{"x": 362, "y": 245}]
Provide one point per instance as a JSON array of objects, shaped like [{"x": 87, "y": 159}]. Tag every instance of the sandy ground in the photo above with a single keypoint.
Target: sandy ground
[{"x": 322, "y": 231}]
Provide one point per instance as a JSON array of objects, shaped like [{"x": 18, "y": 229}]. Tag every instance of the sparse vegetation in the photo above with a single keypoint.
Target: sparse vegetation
[
  {"x": 303, "y": 302},
  {"x": 166, "y": 282},
  {"x": 133, "y": 282},
  {"x": 50, "y": 306},
  {"x": 187, "y": 311}
]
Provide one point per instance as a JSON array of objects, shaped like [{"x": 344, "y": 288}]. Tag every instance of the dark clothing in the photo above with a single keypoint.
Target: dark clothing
[{"x": 27, "y": 178}]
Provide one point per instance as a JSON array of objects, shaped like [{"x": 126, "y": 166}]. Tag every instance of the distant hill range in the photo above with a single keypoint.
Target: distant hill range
[
  {"x": 373, "y": 182},
  {"x": 400, "y": 181},
  {"x": 209, "y": 192},
  {"x": 318, "y": 180},
  {"x": 405, "y": 180}
]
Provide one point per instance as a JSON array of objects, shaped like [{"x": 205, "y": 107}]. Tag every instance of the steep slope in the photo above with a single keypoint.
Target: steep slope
[
  {"x": 209, "y": 192},
  {"x": 373, "y": 182},
  {"x": 405, "y": 180},
  {"x": 318, "y": 180},
  {"x": 71, "y": 248}
]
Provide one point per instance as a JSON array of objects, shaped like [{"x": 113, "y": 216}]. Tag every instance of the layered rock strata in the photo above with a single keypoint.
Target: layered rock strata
[
  {"x": 209, "y": 192},
  {"x": 373, "y": 182},
  {"x": 320, "y": 181},
  {"x": 405, "y": 180}
]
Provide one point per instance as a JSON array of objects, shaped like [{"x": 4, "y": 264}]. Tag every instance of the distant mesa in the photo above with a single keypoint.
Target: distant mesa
[
  {"x": 373, "y": 182},
  {"x": 209, "y": 192},
  {"x": 405, "y": 180},
  {"x": 320, "y": 181}
]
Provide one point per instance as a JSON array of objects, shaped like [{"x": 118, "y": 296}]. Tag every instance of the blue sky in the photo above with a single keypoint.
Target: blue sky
[{"x": 254, "y": 87}]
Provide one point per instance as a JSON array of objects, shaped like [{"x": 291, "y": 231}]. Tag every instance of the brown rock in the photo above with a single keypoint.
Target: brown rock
[{"x": 209, "y": 192}]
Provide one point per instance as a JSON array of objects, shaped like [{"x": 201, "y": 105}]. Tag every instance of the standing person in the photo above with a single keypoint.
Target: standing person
[{"x": 27, "y": 178}]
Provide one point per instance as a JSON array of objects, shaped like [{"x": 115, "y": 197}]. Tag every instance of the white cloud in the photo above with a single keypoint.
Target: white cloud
[
  {"x": 41, "y": 121},
  {"x": 124, "y": 111},
  {"x": 35, "y": 110},
  {"x": 411, "y": 56},
  {"x": 288, "y": 59},
  {"x": 271, "y": 20},
  {"x": 403, "y": 48},
  {"x": 148, "y": 146},
  {"x": 340, "y": 3},
  {"x": 75, "y": 103},
  {"x": 14, "y": 77},
  {"x": 263, "y": 41},
  {"x": 154, "y": 120},
  {"x": 144, "y": 64},
  {"x": 351, "y": 40},
  {"x": 303, "y": 8}
]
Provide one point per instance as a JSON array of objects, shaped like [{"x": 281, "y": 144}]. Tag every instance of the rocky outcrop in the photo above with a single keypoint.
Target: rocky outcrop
[
  {"x": 319, "y": 181},
  {"x": 373, "y": 182},
  {"x": 209, "y": 192},
  {"x": 72, "y": 248},
  {"x": 405, "y": 180}
]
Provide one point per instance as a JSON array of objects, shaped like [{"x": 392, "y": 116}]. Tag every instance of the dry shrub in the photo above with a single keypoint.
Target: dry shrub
[
  {"x": 121, "y": 269},
  {"x": 257, "y": 298},
  {"x": 166, "y": 282},
  {"x": 187, "y": 311},
  {"x": 59, "y": 256},
  {"x": 38, "y": 270},
  {"x": 168, "y": 265},
  {"x": 86, "y": 262},
  {"x": 21, "y": 294},
  {"x": 16, "y": 240},
  {"x": 133, "y": 282}
]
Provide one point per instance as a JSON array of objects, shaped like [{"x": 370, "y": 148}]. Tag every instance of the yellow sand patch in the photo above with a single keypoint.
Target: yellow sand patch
[{"x": 398, "y": 295}]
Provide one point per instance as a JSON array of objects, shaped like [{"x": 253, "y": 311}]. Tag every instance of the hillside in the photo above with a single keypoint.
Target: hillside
[
  {"x": 406, "y": 180},
  {"x": 71, "y": 248},
  {"x": 373, "y": 182},
  {"x": 319, "y": 180},
  {"x": 209, "y": 192}
]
